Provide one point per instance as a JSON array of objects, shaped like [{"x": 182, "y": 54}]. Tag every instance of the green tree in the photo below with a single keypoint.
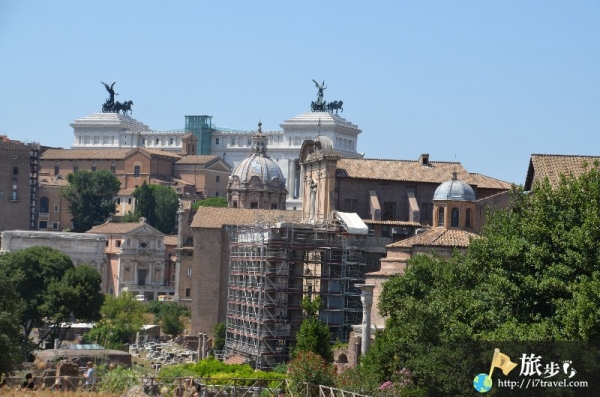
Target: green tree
[
  {"x": 122, "y": 318},
  {"x": 165, "y": 211},
  {"x": 169, "y": 315},
  {"x": 11, "y": 307},
  {"x": 145, "y": 204},
  {"x": 309, "y": 367},
  {"x": 158, "y": 204},
  {"x": 313, "y": 334},
  {"x": 52, "y": 289},
  {"x": 90, "y": 196},
  {"x": 534, "y": 276},
  {"x": 210, "y": 202},
  {"x": 220, "y": 331}
]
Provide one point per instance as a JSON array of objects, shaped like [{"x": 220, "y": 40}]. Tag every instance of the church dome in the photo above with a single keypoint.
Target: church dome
[
  {"x": 454, "y": 190},
  {"x": 259, "y": 164}
]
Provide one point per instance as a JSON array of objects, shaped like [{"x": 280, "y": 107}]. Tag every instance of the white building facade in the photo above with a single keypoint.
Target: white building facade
[{"x": 113, "y": 130}]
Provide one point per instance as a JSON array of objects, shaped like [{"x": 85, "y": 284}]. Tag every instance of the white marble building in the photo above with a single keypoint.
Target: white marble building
[
  {"x": 81, "y": 248},
  {"x": 112, "y": 130}
]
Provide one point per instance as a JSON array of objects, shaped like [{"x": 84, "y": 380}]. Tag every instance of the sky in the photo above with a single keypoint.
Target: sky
[{"x": 483, "y": 83}]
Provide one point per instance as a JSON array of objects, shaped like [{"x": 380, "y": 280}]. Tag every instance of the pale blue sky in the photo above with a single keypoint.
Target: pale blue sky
[{"x": 480, "y": 82}]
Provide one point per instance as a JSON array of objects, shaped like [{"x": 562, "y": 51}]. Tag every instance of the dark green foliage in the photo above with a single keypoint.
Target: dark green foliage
[
  {"x": 11, "y": 307},
  {"x": 90, "y": 195},
  {"x": 220, "y": 334},
  {"x": 210, "y": 202},
  {"x": 534, "y": 276},
  {"x": 51, "y": 289},
  {"x": 145, "y": 203},
  {"x": 313, "y": 335},
  {"x": 158, "y": 204},
  {"x": 122, "y": 318},
  {"x": 311, "y": 368},
  {"x": 169, "y": 314}
]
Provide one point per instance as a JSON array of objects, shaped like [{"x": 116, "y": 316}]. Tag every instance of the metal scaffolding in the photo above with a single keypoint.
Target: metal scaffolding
[{"x": 271, "y": 268}]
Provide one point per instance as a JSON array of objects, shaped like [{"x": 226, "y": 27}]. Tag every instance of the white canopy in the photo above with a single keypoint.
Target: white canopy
[{"x": 352, "y": 222}]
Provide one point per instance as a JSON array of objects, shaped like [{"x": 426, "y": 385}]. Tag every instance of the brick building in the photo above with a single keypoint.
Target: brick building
[{"x": 19, "y": 173}]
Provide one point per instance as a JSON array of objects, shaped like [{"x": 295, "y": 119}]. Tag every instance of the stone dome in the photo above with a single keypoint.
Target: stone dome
[
  {"x": 258, "y": 164},
  {"x": 454, "y": 190}
]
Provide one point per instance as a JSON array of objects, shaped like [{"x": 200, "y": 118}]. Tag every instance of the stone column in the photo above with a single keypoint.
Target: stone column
[
  {"x": 366, "y": 298},
  {"x": 180, "y": 213}
]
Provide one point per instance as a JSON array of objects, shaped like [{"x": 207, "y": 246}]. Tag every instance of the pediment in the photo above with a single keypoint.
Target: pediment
[{"x": 145, "y": 230}]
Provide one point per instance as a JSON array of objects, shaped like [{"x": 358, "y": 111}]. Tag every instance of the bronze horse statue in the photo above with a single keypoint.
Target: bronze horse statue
[
  {"x": 335, "y": 105},
  {"x": 123, "y": 107}
]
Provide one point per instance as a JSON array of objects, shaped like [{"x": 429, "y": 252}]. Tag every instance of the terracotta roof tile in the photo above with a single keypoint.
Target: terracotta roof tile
[
  {"x": 101, "y": 154},
  {"x": 171, "y": 240},
  {"x": 552, "y": 166},
  {"x": 437, "y": 237},
  {"x": 115, "y": 227},
  {"x": 85, "y": 154},
  {"x": 197, "y": 159},
  {"x": 413, "y": 171},
  {"x": 53, "y": 181},
  {"x": 216, "y": 217}
]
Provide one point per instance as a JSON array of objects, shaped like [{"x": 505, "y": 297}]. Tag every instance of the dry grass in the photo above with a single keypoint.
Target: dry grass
[{"x": 49, "y": 393}]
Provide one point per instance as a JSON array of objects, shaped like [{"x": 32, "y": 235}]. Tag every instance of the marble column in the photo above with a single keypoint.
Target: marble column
[{"x": 366, "y": 299}]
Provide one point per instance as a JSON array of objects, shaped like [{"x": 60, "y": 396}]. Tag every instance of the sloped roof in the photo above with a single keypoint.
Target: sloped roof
[
  {"x": 552, "y": 166},
  {"x": 101, "y": 154},
  {"x": 197, "y": 159},
  {"x": 118, "y": 227},
  {"x": 85, "y": 154},
  {"x": 53, "y": 181},
  {"x": 413, "y": 171},
  {"x": 394, "y": 223},
  {"x": 170, "y": 240},
  {"x": 437, "y": 237},
  {"x": 216, "y": 217}
]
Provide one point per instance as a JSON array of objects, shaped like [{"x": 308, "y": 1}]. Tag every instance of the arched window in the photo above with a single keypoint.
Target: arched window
[
  {"x": 454, "y": 215},
  {"x": 468, "y": 218},
  {"x": 440, "y": 216},
  {"x": 44, "y": 205}
]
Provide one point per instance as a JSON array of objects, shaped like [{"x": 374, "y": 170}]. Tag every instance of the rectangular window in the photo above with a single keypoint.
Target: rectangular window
[
  {"x": 56, "y": 208},
  {"x": 385, "y": 231},
  {"x": 118, "y": 243},
  {"x": 43, "y": 225},
  {"x": 188, "y": 292},
  {"x": 55, "y": 226},
  {"x": 427, "y": 213},
  {"x": 93, "y": 168},
  {"x": 15, "y": 183},
  {"x": 254, "y": 205},
  {"x": 232, "y": 141},
  {"x": 189, "y": 272},
  {"x": 113, "y": 168},
  {"x": 351, "y": 205},
  {"x": 389, "y": 211},
  {"x": 218, "y": 178},
  {"x": 56, "y": 170},
  {"x": 15, "y": 170},
  {"x": 273, "y": 206},
  {"x": 235, "y": 204},
  {"x": 249, "y": 142},
  {"x": 137, "y": 170},
  {"x": 75, "y": 168},
  {"x": 216, "y": 141},
  {"x": 14, "y": 196}
]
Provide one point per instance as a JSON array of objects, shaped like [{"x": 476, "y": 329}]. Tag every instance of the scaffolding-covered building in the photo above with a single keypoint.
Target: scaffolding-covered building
[{"x": 273, "y": 266}]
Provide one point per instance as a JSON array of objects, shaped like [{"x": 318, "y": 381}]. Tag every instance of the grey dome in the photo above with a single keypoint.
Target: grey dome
[
  {"x": 259, "y": 164},
  {"x": 454, "y": 190}
]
